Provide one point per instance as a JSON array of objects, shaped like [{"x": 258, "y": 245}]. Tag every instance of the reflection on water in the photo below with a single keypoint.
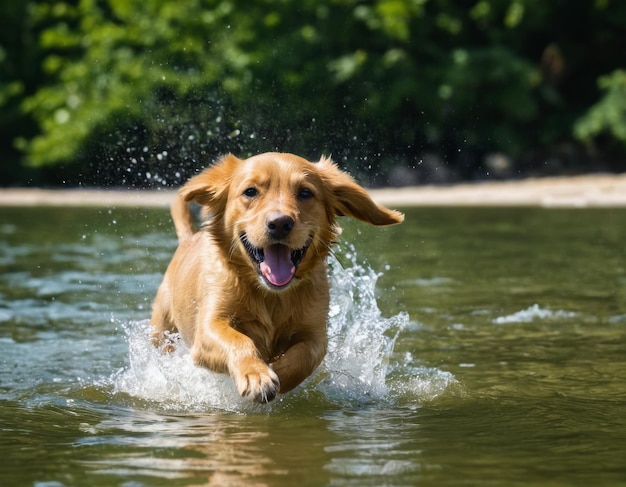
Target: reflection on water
[
  {"x": 216, "y": 449},
  {"x": 498, "y": 357}
]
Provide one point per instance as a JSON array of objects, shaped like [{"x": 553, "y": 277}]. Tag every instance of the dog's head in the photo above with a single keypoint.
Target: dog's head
[{"x": 276, "y": 213}]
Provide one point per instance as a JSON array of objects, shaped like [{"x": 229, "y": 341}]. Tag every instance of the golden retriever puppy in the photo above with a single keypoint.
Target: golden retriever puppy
[{"x": 249, "y": 292}]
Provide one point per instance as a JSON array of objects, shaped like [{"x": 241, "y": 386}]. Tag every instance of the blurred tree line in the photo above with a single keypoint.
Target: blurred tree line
[{"x": 145, "y": 92}]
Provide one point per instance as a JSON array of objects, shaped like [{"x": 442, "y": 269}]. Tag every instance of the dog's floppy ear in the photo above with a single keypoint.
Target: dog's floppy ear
[
  {"x": 210, "y": 187},
  {"x": 350, "y": 199}
]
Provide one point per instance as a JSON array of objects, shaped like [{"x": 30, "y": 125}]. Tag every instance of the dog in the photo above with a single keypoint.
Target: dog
[{"x": 248, "y": 292}]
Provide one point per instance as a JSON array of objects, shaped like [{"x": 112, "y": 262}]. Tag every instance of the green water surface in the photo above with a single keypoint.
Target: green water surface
[{"x": 524, "y": 308}]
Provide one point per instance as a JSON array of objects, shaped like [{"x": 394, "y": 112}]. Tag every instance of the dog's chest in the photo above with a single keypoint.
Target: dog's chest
[{"x": 272, "y": 329}]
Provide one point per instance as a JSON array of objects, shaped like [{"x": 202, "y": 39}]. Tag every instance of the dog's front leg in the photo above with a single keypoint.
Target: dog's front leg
[
  {"x": 221, "y": 348},
  {"x": 300, "y": 360}
]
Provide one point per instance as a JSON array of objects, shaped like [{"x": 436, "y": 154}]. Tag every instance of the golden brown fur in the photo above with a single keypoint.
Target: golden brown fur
[{"x": 249, "y": 291}]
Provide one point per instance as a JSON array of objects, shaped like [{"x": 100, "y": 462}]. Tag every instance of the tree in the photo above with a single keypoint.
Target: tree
[
  {"x": 134, "y": 82},
  {"x": 607, "y": 117},
  {"x": 147, "y": 92},
  {"x": 20, "y": 74}
]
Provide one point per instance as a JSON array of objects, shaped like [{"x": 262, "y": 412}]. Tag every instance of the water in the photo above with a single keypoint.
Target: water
[{"x": 468, "y": 346}]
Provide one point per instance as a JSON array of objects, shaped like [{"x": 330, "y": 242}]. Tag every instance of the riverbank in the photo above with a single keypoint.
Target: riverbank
[{"x": 598, "y": 190}]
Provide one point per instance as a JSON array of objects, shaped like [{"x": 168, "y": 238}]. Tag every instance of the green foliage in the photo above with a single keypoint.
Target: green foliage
[
  {"x": 147, "y": 91},
  {"x": 608, "y": 115},
  {"x": 119, "y": 66}
]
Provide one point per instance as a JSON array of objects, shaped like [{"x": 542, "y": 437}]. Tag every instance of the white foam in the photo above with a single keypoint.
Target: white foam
[
  {"x": 358, "y": 366},
  {"x": 533, "y": 313},
  {"x": 172, "y": 380}
]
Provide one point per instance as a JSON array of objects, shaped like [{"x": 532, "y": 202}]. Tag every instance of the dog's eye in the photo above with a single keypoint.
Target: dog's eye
[
  {"x": 251, "y": 192},
  {"x": 305, "y": 194}
]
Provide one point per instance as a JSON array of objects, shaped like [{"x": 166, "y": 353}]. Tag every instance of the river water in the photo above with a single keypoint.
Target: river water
[{"x": 467, "y": 347}]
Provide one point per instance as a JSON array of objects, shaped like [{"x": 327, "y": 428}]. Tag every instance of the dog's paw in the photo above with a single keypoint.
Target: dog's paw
[
  {"x": 165, "y": 340},
  {"x": 257, "y": 382}
]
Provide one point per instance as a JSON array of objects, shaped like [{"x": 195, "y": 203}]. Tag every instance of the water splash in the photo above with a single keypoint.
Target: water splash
[
  {"x": 361, "y": 340},
  {"x": 532, "y": 313},
  {"x": 359, "y": 368},
  {"x": 171, "y": 380}
]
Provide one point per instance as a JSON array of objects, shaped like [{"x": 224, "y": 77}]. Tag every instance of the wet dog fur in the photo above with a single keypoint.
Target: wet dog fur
[{"x": 248, "y": 291}]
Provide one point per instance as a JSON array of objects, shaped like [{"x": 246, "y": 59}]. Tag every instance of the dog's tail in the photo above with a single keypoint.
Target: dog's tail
[{"x": 183, "y": 218}]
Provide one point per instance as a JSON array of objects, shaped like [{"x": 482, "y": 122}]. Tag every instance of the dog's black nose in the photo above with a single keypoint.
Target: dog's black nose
[{"x": 279, "y": 225}]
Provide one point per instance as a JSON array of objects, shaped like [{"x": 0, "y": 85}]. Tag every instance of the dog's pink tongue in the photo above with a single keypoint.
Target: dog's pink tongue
[{"x": 277, "y": 266}]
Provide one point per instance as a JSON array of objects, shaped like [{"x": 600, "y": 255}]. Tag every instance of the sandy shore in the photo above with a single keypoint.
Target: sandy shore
[{"x": 601, "y": 190}]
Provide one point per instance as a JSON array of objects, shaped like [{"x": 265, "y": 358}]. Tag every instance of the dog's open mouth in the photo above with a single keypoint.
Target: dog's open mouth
[{"x": 277, "y": 263}]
